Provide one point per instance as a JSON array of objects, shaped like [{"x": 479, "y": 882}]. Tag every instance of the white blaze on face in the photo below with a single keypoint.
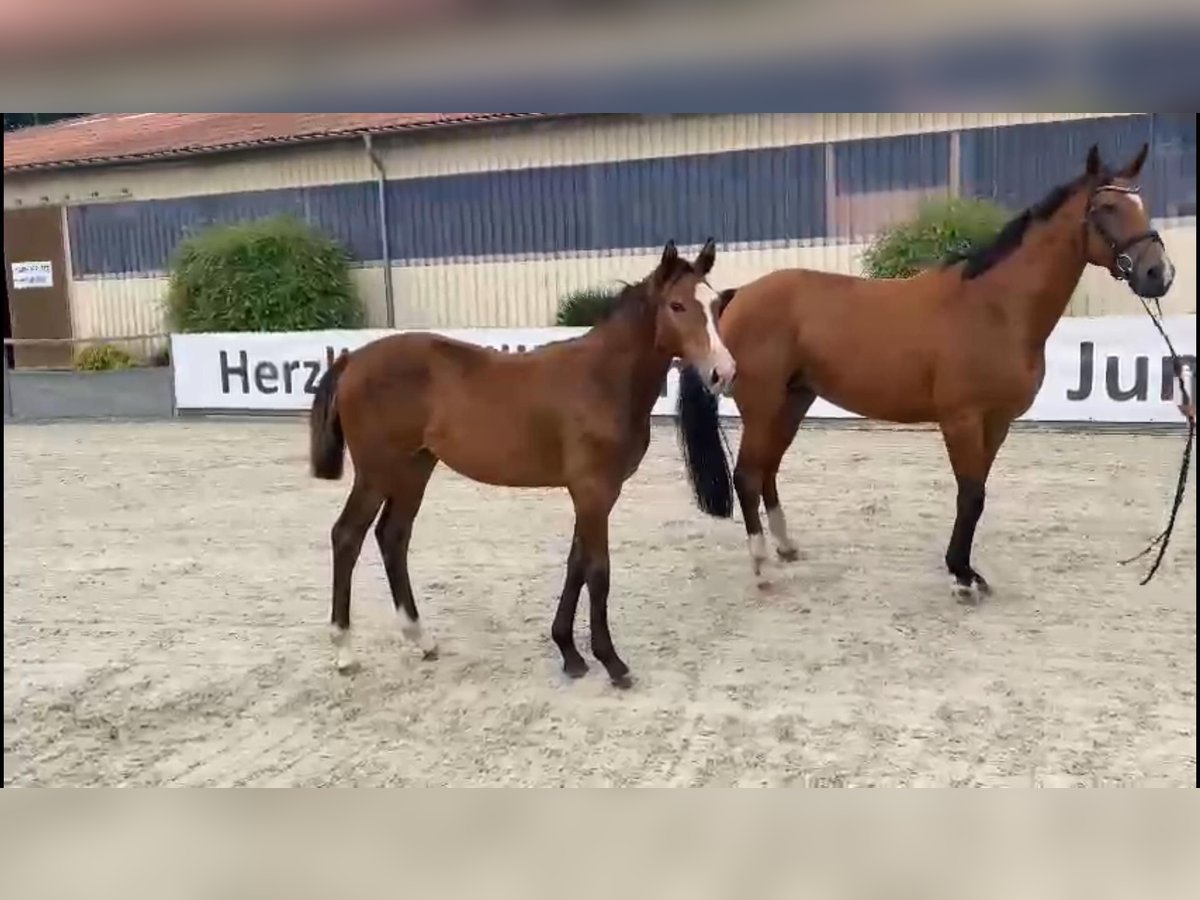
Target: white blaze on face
[{"x": 720, "y": 359}]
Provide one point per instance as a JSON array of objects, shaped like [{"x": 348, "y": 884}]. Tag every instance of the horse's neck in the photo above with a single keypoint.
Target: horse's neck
[
  {"x": 630, "y": 360},
  {"x": 1049, "y": 264}
]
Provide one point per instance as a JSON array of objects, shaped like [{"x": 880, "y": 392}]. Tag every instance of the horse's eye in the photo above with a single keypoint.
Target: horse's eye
[{"x": 678, "y": 307}]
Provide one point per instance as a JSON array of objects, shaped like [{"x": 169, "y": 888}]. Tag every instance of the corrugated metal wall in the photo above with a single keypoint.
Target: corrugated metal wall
[{"x": 491, "y": 225}]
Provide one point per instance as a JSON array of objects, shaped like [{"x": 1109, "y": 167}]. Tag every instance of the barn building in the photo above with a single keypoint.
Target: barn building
[{"x": 480, "y": 219}]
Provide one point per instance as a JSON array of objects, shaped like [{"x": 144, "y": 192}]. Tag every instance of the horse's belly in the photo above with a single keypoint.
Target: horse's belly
[
  {"x": 888, "y": 397},
  {"x": 497, "y": 449}
]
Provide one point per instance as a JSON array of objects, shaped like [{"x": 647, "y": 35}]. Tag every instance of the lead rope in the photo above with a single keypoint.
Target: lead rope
[{"x": 1164, "y": 537}]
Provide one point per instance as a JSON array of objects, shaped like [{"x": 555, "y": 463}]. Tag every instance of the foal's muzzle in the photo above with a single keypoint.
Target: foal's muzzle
[{"x": 720, "y": 378}]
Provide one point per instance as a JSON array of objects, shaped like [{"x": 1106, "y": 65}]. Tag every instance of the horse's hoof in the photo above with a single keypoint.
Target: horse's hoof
[
  {"x": 622, "y": 682},
  {"x": 430, "y": 655},
  {"x": 968, "y": 594},
  {"x": 348, "y": 667},
  {"x": 787, "y": 554},
  {"x": 575, "y": 669}
]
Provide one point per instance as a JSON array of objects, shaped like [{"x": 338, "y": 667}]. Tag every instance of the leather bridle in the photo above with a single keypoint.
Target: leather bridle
[{"x": 1123, "y": 263}]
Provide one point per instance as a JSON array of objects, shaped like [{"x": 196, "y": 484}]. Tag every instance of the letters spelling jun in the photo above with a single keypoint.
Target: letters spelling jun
[{"x": 1112, "y": 376}]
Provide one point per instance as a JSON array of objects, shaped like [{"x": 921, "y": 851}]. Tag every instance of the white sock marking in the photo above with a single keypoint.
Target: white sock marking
[
  {"x": 758, "y": 551},
  {"x": 345, "y": 652},
  {"x": 412, "y": 631},
  {"x": 777, "y": 522},
  {"x": 971, "y": 593}
]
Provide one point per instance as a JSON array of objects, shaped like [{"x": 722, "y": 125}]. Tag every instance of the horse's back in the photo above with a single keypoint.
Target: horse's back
[
  {"x": 835, "y": 333},
  {"x": 810, "y": 304}
]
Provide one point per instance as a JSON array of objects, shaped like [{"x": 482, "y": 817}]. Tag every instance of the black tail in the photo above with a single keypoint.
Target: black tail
[
  {"x": 724, "y": 299},
  {"x": 327, "y": 444},
  {"x": 702, "y": 447}
]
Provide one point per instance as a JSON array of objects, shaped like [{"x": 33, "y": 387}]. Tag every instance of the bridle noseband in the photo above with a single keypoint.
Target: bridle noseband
[{"x": 1122, "y": 261}]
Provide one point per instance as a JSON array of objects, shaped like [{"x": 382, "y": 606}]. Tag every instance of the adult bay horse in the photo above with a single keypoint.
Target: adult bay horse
[
  {"x": 572, "y": 414},
  {"x": 961, "y": 345}
]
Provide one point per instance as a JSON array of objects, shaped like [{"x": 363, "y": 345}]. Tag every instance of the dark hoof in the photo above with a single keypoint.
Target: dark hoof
[
  {"x": 430, "y": 655},
  {"x": 351, "y": 668},
  {"x": 790, "y": 554},
  {"x": 575, "y": 668},
  {"x": 622, "y": 682}
]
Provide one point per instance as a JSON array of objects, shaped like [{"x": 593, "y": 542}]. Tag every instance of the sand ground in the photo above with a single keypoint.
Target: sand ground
[{"x": 166, "y": 594}]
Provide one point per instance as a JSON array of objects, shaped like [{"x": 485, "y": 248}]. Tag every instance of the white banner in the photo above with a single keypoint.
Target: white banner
[{"x": 1108, "y": 369}]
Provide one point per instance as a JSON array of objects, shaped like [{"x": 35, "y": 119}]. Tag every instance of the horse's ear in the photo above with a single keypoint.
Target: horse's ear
[
  {"x": 708, "y": 256},
  {"x": 1093, "y": 160},
  {"x": 670, "y": 254},
  {"x": 1131, "y": 170}
]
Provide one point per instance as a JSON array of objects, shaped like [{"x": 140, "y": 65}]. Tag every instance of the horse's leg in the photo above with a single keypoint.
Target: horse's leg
[
  {"x": 347, "y": 538},
  {"x": 393, "y": 533},
  {"x": 787, "y": 423},
  {"x": 593, "y": 503},
  {"x": 563, "y": 629},
  {"x": 748, "y": 472},
  {"x": 972, "y": 444}
]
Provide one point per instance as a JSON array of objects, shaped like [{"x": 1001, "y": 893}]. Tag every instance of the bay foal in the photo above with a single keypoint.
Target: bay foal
[
  {"x": 962, "y": 345},
  {"x": 573, "y": 414}
]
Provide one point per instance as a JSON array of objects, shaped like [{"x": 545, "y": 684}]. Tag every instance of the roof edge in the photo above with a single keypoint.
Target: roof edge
[{"x": 279, "y": 141}]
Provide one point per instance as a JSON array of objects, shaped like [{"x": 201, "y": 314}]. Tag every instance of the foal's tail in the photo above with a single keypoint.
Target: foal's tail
[
  {"x": 327, "y": 444},
  {"x": 700, "y": 439}
]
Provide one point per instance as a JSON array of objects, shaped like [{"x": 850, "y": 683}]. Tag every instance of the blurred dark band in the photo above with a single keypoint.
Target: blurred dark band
[
  {"x": 662, "y": 60},
  {"x": 989, "y": 72}
]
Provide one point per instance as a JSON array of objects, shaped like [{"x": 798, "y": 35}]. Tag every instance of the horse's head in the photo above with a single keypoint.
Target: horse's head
[
  {"x": 1117, "y": 228},
  {"x": 686, "y": 323}
]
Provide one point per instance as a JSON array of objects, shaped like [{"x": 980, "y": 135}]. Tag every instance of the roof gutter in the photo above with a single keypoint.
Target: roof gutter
[{"x": 384, "y": 237}]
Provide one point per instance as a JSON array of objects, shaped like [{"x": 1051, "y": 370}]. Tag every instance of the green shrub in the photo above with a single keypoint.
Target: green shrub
[
  {"x": 941, "y": 228},
  {"x": 103, "y": 358},
  {"x": 274, "y": 274},
  {"x": 584, "y": 308}
]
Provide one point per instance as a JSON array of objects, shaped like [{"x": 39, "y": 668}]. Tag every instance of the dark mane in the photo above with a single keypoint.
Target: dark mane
[
  {"x": 981, "y": 259},
  {"x": 632, "y": 297}
]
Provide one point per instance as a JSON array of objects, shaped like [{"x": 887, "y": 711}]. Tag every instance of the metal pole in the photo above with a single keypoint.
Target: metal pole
[{"x": 384, "y": 240}]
